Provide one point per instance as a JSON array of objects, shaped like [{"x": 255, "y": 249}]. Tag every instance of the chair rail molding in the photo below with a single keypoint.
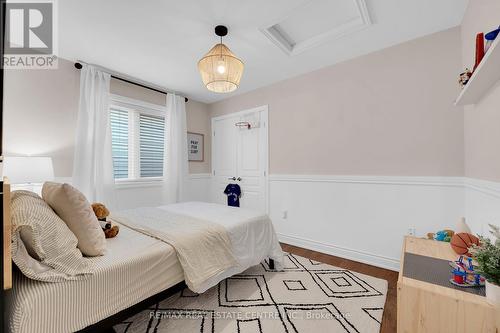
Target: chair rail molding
[{"x": 388, "y": 180}]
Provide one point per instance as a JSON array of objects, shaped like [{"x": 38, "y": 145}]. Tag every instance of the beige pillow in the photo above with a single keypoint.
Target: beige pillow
[
  {"x": 74, "y": 209},
  {"x": 43, "y": 247}
]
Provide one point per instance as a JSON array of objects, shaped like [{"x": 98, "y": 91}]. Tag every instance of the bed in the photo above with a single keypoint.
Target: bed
[
  {"x": 251, "y": 235},
  {"x": 137, "y": 270},
  {"x": 136, "y": 267}
]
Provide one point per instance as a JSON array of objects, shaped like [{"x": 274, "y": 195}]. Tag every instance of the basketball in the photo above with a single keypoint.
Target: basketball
[{"x": 462, "y": 241}]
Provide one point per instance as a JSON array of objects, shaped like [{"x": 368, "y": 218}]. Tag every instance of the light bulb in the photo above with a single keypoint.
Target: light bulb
[{"x": 221, "y": 68}]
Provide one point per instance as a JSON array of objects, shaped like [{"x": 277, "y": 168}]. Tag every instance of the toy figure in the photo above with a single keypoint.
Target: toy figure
[
  {"x": 463, "y": 274},
  {"x": 442, "y": 235},
  {"x": 464, "y": 77}
]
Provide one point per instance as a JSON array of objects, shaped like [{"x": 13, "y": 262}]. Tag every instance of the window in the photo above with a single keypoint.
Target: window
[
  {"x": 137, "y": 139},
  {"x": 151, "y": 137},
  {"x": 119, "y": 142}
]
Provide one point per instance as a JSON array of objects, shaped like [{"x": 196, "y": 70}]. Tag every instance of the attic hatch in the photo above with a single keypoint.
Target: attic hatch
[{"x": 316, "y": 22}]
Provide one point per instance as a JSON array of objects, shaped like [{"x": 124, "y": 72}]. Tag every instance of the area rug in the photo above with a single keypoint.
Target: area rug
[{"x": 307, "y": 296}]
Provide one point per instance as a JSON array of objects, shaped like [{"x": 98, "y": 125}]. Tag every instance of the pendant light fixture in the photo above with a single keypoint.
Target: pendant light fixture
[{"x": 220, "y": 69}]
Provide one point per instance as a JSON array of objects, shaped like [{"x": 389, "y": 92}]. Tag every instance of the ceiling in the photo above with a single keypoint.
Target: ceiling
[{"x": 161, "y": 41}]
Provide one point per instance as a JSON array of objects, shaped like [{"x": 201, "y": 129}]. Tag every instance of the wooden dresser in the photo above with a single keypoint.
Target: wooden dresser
[{"x": 428, "y": 307}]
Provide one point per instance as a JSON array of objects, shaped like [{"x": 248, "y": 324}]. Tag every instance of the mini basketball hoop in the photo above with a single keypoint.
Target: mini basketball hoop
[{"x": 243, "y": 124}]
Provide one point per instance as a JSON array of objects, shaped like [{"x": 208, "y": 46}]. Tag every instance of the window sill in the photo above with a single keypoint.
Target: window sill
[{"x": 136, "y": 183}]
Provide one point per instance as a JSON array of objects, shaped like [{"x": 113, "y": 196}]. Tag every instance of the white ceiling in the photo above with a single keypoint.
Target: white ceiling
[
  {"x": 161, "y": 41},
  {"x": 317, "y": 22}
]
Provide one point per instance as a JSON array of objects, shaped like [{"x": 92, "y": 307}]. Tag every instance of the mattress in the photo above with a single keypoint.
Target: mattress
[
  {"x": 135, "y": 267},
  {"x": 251, "y": 233}
]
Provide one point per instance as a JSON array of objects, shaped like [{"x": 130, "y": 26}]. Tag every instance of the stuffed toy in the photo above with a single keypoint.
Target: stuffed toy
[
  {"x": 101, "y": 212},
  {"x": 111, "y": 232},
  {"x": 464, "y": 77},
  {"x": 442, "y": 236}
]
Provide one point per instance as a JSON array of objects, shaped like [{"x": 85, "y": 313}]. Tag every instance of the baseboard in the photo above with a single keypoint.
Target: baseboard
[{"x": 351, "y": 254}]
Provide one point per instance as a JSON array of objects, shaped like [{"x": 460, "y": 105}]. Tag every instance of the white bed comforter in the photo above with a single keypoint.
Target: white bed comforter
[{"x": 251, "y": 234}]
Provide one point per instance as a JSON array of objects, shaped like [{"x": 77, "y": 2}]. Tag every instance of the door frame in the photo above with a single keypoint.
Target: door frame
[{"x": 264, "y": 109}]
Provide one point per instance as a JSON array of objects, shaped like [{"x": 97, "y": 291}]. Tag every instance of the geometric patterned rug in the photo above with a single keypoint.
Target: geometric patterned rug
[{"x": 307, "y": 296}]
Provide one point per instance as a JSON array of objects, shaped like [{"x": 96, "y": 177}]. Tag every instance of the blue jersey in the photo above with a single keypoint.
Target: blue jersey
[{"x": 233, "y": 192}]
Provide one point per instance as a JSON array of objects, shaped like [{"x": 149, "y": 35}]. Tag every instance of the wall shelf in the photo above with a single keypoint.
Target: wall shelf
[{"x": 487, "y": 74}]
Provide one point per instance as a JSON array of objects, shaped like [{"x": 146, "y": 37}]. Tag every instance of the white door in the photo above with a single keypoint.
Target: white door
[
  {"x": 240, "y": 156},
  {"x": 224, "y": 157}
]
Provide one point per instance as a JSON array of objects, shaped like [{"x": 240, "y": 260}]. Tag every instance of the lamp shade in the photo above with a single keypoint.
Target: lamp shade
[
  {"x": 220, "y": 69},
  {"x": 28, "y": 170}
]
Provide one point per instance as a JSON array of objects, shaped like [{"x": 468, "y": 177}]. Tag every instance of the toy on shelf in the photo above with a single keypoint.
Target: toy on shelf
[
  {"x": 479, "y": 50},
  {"x": 490, "y": 37},
  {"x": 464, "y": 77},
  {"x": 464, "y": 275},
  {"x": 442, "y": 236}
]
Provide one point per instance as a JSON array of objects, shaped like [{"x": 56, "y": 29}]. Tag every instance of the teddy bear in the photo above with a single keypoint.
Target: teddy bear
[{"x": 101, "y": 212}]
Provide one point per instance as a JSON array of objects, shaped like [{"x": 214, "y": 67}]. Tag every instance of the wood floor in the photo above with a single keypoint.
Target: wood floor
[{"x": 390, "y": 315}]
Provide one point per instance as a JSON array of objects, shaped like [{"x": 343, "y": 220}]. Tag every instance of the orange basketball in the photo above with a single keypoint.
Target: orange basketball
[{"x": 462, "y": 241}]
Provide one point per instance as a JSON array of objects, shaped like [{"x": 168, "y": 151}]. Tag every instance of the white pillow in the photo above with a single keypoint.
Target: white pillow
[
  {"x": 74, "y": 209},
  {"x": 43, "y": 247}
]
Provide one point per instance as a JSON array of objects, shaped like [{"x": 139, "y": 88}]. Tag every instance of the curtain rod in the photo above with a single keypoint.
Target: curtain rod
[{"x": 78, "y": 65}]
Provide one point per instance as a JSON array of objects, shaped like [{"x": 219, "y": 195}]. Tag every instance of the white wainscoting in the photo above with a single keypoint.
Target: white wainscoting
[
  {"x": 150, "y": 195},
  {"x": 199, "y": 187},
  {"x": 362, "y": 218},
  {"x": 482, "y": 204}
]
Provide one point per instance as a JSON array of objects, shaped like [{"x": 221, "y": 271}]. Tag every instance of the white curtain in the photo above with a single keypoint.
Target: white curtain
[
  {"x": 93, "y": 162},
  {"x": 176, "y": 156}
]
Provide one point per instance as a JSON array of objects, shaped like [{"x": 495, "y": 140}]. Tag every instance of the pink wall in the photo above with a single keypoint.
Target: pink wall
[
  {"x": 44, "y": 124},
  {"x": 198, "y": 121},
  {"x": 40, "y": 111},
  {"x": 387, "y": 113},
  {"x": 482, "y": 121}
]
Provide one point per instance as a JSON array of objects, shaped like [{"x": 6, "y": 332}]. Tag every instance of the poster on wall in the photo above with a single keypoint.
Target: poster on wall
[{"x": 195, "y": 147}]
